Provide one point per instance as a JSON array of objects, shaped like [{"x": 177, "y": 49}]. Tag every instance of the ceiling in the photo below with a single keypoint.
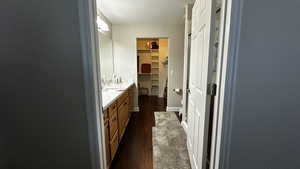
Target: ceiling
[{"x": 143, "y": 11}]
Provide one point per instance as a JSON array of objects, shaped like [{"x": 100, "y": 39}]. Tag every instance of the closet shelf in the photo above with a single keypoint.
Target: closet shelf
[
  {"x": 148, "y": 74},
  {"x": 144, "y": 51},
  {"x": 145, "y": 74}
]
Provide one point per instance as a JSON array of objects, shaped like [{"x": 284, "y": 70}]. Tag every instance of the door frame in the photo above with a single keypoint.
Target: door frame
[
  {"x": 186, "y": 72},
  {"x": 226, "y": 78},
  {"x": 87, "y": 11}
]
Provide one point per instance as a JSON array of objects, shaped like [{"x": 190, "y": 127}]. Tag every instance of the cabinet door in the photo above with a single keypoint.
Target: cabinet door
[
  {"x": 107, "y": 143},
  {"x": 120, "y": 120},
  {"x": 113, "y": 124},
  {"x": 114, "y": 145},
  {"x": 126, "y": 111}
]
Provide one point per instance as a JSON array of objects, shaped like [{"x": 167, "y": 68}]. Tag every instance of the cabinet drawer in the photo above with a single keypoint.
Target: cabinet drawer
[
  {"x": 124, "y": 103},
  {"x": 113, "y": 125},
  {"x": 112, "y": 109},
  {"x": 122, "y": 98},
  {"x": 114, "y": 145}
]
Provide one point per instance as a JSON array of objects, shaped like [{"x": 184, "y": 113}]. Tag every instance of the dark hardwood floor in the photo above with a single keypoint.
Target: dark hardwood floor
[{"x": 135, "y": 150}]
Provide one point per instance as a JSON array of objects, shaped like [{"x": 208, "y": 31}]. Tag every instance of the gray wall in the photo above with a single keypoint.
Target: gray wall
[
  {"x": 42, "y": 87},
  {"x": 266, "y": 120}
]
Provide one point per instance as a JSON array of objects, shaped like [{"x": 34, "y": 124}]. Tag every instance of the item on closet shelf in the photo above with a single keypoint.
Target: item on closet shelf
[
  {"x": 165, "y": 62},
  {"x": 148, "y": 45},
  {"x": 154, "y": 45},
  {"x": 146, "y": 68}
]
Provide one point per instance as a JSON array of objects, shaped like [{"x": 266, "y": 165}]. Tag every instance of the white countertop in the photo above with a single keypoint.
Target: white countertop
[{"x": 111, "y": 94}]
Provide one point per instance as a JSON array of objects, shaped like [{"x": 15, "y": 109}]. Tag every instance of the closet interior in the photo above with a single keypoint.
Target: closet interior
[{"x": 152, "y": 64}]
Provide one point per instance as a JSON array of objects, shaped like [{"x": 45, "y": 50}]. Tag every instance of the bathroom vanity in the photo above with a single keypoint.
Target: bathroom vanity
[
  {"x": 117, "y": 105},
  {"x": 117, "y": 93}
]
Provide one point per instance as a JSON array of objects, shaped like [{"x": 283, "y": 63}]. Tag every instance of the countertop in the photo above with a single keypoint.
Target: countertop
[{"x": 111, "y": 94}]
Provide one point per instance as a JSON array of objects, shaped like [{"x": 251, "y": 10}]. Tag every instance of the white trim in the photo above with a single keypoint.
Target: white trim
[
  {"x": 135, "y": 109},
  {"x": 227, "y": 77},
  {"x": 176, "y": 109},
  {"x": 184, "y": 126},
  {"x": 161, "y": 95},
  {"x": 186, "y": 62},
  {"x": 89, "y": 42}
]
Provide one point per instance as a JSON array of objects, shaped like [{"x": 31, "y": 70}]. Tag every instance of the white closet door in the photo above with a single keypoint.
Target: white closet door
[{"x": 203, "y": 20}]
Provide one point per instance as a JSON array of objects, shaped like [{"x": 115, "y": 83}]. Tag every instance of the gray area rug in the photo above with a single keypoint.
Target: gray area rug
[
  {"x": 166, "y": 119},
  {"x": 169, "y": 143}
]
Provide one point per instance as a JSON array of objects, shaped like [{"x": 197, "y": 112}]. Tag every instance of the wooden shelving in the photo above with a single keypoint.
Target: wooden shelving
[
  {"x": 155, "y": 68},
  {"x": 148, "y": 56},
  {"x": 144, "y": 50}
]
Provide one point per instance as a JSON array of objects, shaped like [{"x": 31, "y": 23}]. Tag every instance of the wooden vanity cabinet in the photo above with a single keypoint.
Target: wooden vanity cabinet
[{"x": 116, "y": 119}]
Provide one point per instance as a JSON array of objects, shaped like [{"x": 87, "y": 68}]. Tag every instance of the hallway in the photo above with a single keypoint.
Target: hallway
[{"x": 135, "y": 151}]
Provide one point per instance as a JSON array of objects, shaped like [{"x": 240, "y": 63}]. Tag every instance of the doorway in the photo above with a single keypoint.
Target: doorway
[
  {"x": 152, "y": 68},
  {"x": 150, "y": 82}
]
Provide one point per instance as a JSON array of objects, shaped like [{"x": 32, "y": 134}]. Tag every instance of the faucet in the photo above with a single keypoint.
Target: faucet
[{"x": 117, "y": 79}]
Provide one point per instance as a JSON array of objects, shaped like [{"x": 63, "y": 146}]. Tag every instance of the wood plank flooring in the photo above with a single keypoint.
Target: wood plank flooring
[{"x": 135, "y": 150}]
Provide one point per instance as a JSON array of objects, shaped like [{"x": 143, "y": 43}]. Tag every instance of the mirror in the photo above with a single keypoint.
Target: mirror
[
  {"x": 105, "y": 48},
  {"x": 106, "y": 57}
]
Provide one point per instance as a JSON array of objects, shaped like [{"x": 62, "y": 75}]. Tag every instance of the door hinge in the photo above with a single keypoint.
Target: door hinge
[
  {"x": 212, "y": 89},
  {"x": 188, "y": 91}
]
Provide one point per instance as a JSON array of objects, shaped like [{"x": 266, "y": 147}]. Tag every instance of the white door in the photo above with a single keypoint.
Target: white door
[{"x": 203, "y": 26}]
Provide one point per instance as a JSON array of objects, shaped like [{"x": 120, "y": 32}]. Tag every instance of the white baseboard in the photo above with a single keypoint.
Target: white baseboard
[
  {"x": 177, "y": 109},
  {"x": 135, "y": 109},
  {"x": 184, "y": 126}
]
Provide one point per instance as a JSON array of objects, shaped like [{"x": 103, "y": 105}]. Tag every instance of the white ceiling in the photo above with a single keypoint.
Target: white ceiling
[{"x": 143, "y": 11}]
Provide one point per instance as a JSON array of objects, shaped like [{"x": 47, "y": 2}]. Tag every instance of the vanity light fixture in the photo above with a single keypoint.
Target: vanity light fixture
[{"x": 102, "y": 25}]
